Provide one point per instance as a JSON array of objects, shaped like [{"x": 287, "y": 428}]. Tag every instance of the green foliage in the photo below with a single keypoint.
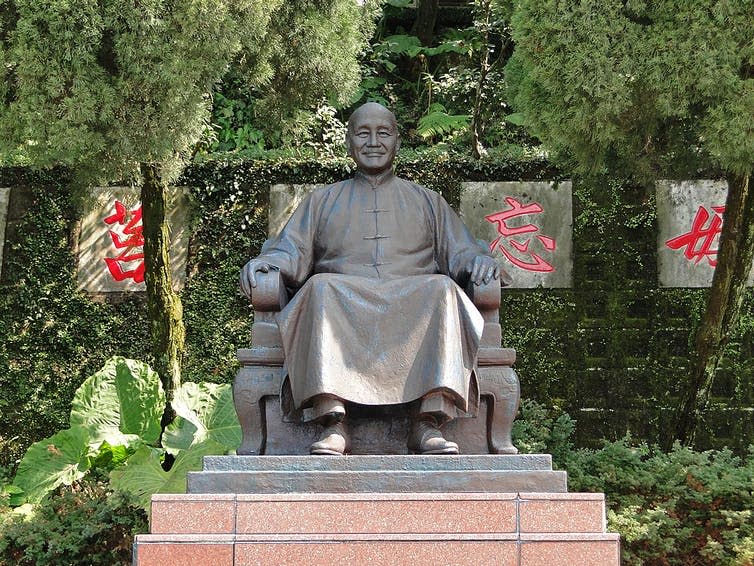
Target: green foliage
[
  {"x": 643, "y": 85},
  {"x": 60, "y": 459},
  {"x": 205, "y": 411},
  {"x": 143, "y": 474},
  {"x": 96, "y": 82},
  {"x": 115, "y": 418},
  {"x": 315, "y": 42},
  {"x": 233, "y": 125},
  {"x": 438, "y": 123},
  {"x": 118, "y": 407},
  {"x": 542, "y": 430},
  {"x": 676, "y": 508},
  {"x": 85, "y": 523},
  {"x": 51, "y": 335},
  {"x": 670, "y": 508},
  {"x": 120, "y": 404}
]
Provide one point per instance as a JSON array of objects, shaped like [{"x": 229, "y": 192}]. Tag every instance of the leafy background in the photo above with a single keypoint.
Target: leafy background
[{"x": 612, "y": 351}]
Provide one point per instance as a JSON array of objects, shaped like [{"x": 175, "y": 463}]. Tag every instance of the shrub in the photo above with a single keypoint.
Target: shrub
[{"x": 83, "y": 524}]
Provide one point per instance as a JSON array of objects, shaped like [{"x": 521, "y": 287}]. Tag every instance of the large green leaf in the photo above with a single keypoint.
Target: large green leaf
[
  {"x": 205, "y": 412},
  {"x": 60, "y": 459},
  {"x": 143, "y": 474},
  {"x": 122, "y": 403}
]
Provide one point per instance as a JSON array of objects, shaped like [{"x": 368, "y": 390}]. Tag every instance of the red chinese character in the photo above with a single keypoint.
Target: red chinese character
[
  {"x": 702, "y": 236},
  {"x": 512, "y": 248},
  {"x": 130, "y": 240}
]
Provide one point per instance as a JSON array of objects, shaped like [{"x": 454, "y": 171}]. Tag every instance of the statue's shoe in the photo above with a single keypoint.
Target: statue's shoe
[
  {"x": 426, "y": 438},
  {"x": 335, "y": 441}
]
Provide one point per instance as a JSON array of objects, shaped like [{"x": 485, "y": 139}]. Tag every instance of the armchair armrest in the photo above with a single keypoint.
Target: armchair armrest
[
  {"x": 486, "y": 297},
  {"x": 270, "y": 294}
]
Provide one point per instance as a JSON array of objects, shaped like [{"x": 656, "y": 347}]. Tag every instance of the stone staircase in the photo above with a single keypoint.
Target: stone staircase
[{"x": 378, "y": 510}]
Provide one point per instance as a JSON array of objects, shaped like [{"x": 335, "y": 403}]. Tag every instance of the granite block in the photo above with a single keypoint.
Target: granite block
[
  {"x": 198, "y": 513},
  {"x": 415, "y": 515},
  {"x": 359, "y": 553},
  {"x": 599, "y": 550},
  {"x": 183, "y": 553},
  {"x": 566, "y": 512}
]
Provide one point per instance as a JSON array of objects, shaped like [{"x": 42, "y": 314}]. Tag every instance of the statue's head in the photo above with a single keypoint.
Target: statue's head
[{"x": 372, "y": 139}]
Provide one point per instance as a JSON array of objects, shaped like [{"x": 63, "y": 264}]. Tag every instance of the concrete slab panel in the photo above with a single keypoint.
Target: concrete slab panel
[
  {"x": 689, "y": 216},
  {"x": 110, "y": 247},
  {"x": 4, "y": 200},
  {"x": 283, "y": 201},
  {"x": 528, "y": 225},
  {"x": 394, "y": 481},
  {"x": 384, "y": 463}
]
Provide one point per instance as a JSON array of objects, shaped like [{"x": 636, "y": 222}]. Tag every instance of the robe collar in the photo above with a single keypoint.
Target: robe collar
[{"x": 375, "y": 181}]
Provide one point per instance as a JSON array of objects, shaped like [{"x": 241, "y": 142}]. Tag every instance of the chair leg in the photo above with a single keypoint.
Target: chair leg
[
  {"x": 500, "y": 383},
  {"x": 252, "y": 383}
]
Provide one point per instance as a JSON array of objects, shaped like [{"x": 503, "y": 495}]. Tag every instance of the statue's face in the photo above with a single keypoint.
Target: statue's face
[{"x": 373, "y": 139}]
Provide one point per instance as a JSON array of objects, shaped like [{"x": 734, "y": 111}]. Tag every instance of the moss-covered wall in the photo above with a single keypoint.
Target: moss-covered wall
[{"x": 612, "y": 350}]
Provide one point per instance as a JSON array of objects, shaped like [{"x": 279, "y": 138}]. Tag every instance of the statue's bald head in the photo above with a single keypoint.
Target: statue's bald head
[
  {"x": 372, "y": 139},
  {"x": 374, "y": 108}
]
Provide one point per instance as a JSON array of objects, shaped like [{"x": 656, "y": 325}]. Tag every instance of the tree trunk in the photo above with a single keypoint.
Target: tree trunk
[
  {"x": 734, "y": 261},
  {"x": 477, "y": 149},
  {"x": 426, "y": 17},
  {"x": 163, "y": 304}
]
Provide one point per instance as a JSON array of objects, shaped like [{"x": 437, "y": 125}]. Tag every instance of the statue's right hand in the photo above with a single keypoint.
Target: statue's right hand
[{"x": 248, "y": 280}]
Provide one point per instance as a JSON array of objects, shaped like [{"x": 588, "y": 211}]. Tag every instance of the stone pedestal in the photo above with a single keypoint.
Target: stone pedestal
[{"x": 474, "y": 510}]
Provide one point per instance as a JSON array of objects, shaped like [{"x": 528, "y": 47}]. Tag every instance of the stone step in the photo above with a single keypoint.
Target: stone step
[
  {"x": 378, "y": 463},
  {"x": 551, "y": 549},
  {"x": 512, "y": 529},
  {"x": 333, "y": 514},
  {"x": 379, "y": 481}
]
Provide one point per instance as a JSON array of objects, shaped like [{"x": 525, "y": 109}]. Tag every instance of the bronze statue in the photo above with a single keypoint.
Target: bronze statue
[{"x": 378, "y": 317}]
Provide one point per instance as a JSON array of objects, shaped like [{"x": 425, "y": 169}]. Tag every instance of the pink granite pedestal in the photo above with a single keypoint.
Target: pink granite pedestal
[{"x": 509, "y": 529}]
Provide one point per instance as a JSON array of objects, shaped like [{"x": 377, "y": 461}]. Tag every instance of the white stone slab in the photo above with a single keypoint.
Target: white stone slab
[
  {"x": 283, "y": 201},
  {"x": 528, "y": 226},
  {"x": 689, "y": 216},
  {"x": 97, "y": 240},
  {"x": 4, "y": 200}
]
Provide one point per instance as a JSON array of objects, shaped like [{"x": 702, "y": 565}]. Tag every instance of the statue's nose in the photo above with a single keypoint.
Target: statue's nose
[{"x": 373, "y": 138}]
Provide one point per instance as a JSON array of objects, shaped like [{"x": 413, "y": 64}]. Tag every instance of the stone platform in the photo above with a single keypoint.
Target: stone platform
[
  {"x": 513, "y": 529},
  {"x": 377, "y": 474},
  {"x": 420, "y": 510}
]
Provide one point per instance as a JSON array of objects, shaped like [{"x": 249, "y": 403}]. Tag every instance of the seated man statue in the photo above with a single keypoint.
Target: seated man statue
[{"x": 378, "y": 318}]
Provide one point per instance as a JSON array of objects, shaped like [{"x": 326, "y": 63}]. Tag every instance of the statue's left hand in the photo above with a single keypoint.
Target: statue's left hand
[{"x": 484, "y": 269}]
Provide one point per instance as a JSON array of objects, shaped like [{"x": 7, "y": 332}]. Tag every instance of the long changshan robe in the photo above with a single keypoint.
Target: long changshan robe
[{"x": 378, "y": 318}]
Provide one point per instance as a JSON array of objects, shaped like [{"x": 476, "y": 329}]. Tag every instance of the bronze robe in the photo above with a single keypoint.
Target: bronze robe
[{"x": 378, "y": 318}]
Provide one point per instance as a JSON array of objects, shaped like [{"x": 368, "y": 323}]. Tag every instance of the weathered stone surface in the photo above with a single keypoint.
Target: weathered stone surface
[
  {"x": 375, "y": 513},
  {"x": 283, "y": 201},
  {"x": 590, "y": 549},
  {"x": 4, "y": 199},
  {"x": 367, "y": 481},
  {"x": 387, "y": 474},
  {"x": 385, "y": 462},
  {"x": 379, "y": 553},
  {"x": 388, "y": 528},
  {"x": 529, "y": 235},
  {"x": 159, "y": 550},
  {"x": 689, "y": 260},
  {"x": 201, "y": 513},
  {"x": 562, "y": 513},
  {"x": 96, "y": 243}
]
